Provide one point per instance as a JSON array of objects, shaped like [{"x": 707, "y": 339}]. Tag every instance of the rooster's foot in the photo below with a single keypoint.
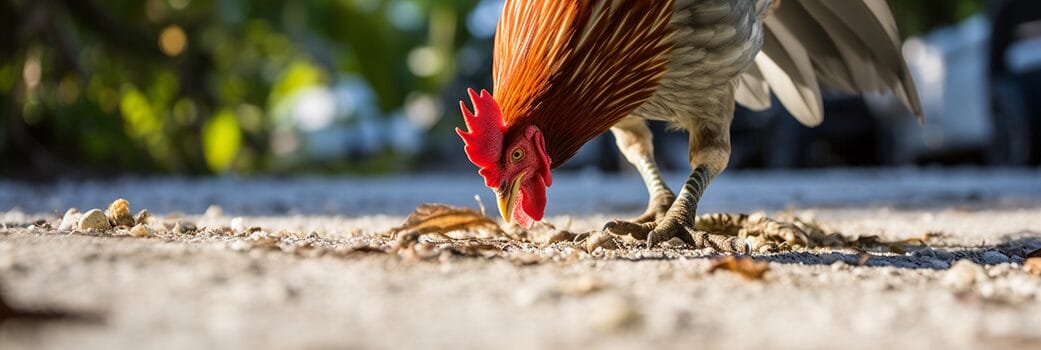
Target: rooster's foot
[
  {"x": 755, "y": 228},
  {"x": 667, "y": 229}
]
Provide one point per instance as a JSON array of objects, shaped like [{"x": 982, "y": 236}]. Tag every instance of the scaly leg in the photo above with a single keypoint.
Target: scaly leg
[
  {"x": 634, "y": 141},
  {"x": 709, "y": 155},
  {"x": 679, "y": 222}
]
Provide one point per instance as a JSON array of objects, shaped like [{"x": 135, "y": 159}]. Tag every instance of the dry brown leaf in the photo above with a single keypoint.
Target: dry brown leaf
[
  {"x": 440, "y": 218},
  {"x": 863, "y": 258},
  {"x": 1033, "y": 265},
  {"x": 932, "y": 235},
  {"x": 897, "y": 247},
  {"x": 866, "y": 241},
  {"x": 141, "y": 231},
  {"x": 742, "y": 265},
  {"x": 903, "y": 246}
]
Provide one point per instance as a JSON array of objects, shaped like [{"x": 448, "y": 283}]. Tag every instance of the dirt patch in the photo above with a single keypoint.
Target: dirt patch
[{"x": 881, "y": 278}]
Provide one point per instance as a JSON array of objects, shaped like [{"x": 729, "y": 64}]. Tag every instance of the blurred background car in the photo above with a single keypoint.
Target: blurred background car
[
  {"x": 980, "y": 85},
  {"x": 1015, "y": 82}
]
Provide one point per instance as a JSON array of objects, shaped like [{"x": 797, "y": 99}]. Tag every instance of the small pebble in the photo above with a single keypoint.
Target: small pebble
[
  {"x": 141, "y": 231},
  {"x": 1022, "y": 286},
  {"x": 614, "y": 314},
  {"x": 1033, "y": 265},
  {"x": 938, "y": 264},
  {"x": 831, "y": 258},
  {"x": 839, "y": 266},
  {"x": 118, "y": 213},
  {"x": 70, "y": 221},
  {"x": 988, "y": 290},
  {"x": 184, "y": 227},
  {"x": 530, "y": 295},
  {"x": 94, "y": 220},
  {"x": 993, "y": 257},
  {"x": 239, "y": 246},
  {"x": 944, "y": 255},
  {"x": 143, "y": 217},
  {"x": 933, "y": 253},
  {"x": 238, "y": 224},
  {"x": 580, "y": 286},
  {"x": 214, "y": 211},
  {"x": 964, "y": 274}
]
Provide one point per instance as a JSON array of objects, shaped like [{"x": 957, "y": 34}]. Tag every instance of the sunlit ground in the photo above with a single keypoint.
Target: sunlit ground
[{"x": 290, "y": 263}]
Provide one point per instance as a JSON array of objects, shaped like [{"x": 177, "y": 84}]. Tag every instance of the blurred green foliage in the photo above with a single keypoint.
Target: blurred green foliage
[
  {"x": 201, "y": 86},
  {"x": 915, "y": 17},
  {"x": 190, "y": 86}
]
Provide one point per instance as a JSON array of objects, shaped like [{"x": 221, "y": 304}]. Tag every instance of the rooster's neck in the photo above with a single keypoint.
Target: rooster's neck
[{"x": 575, "y": 68}]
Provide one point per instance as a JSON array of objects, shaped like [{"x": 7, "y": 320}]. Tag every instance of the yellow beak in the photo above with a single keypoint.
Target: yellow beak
[{"x": 508, "y": 199}]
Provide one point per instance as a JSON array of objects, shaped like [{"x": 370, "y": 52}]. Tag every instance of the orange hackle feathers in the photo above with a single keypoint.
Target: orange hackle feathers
[
  {"x": 574, "y": 68},
  {"x": 484, "y": 135}
]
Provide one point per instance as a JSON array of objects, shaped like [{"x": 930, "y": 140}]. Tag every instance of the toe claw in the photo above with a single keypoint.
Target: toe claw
[
  {"x": 664, "y": 233},
  {"x": 653, "y": 240},
  {"x": 657, "y": 232}
]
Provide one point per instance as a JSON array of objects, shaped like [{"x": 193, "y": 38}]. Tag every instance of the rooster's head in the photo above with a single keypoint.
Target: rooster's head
[{"x": 514, "y": 163}]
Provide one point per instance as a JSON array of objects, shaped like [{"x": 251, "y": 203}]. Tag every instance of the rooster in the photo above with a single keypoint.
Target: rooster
[{"x": 566, "y": 71}]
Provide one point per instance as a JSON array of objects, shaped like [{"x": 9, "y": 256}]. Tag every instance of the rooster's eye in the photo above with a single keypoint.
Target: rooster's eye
[{"x": 517, "y": 154}]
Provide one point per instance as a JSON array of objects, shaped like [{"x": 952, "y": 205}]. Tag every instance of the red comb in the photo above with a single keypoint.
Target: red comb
[{"x": 484, "y": 136}]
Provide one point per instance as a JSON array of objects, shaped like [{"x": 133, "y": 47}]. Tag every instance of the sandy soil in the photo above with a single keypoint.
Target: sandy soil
[{"x": 304, "y": 280}]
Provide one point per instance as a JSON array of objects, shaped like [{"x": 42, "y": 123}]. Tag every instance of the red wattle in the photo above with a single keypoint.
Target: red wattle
[
  {"x": 531, "y": 202},
  {"x": 520, "y": 216}
]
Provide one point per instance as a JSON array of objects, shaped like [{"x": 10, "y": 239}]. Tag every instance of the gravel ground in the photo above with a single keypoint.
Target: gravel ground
[{"x": 300, "y": 263}]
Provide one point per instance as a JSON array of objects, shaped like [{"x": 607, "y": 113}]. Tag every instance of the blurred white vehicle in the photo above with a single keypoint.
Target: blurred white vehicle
[
  {"x": 949, "y": 66},
  {"x": 980, "y": 86}
]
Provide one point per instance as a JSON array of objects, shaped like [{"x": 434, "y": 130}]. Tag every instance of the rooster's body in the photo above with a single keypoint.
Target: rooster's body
[{"x": 569, "y": 70}]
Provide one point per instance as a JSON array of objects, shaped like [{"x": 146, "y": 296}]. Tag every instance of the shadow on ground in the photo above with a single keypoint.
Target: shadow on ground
[{"x": 1014, "y": 248}]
